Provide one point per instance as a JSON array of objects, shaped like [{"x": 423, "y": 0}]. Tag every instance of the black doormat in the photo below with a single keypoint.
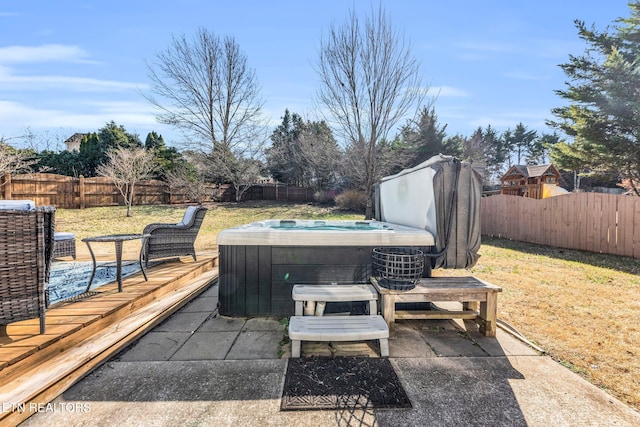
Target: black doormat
[{"x": 341, "y": 383}]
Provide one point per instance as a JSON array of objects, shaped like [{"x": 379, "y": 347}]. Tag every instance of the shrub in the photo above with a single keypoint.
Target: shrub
[
  {"x": 323, "y": 197},
  {"x": 352, "y": 200}
]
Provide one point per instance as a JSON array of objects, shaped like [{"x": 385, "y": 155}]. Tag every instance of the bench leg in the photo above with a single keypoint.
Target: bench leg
[
  {"x": 389, "y": 312},
  {"x": 384, "y": 347},
  {"x": 309, "y": 308},
  {"x": 373, "y": 307},
  {"x": 488, "y": 315},
  {"x": 295, "y": 348},
  {"x": 299, "y": 305}
]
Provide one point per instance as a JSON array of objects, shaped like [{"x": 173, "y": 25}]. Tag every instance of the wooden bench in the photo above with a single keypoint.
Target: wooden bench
[
  {"x": 338, "y": 328},
  {"x": 479, "y": 300},
  {"x": 334, "y": 293}
]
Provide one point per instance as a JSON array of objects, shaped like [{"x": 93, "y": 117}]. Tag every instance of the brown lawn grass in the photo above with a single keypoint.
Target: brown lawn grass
[{"x": 580, "y": 307}]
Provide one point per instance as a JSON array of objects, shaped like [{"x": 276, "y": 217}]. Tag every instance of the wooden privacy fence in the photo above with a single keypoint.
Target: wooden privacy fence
[
  {"x": 72, "y": 193},
  {"x": 595, "y": 222},
  {"x": 69, "y": 192}
]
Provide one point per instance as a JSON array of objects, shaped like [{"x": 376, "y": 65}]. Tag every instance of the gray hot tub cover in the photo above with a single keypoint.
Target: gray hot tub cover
[{"x": 453, "y": 214}]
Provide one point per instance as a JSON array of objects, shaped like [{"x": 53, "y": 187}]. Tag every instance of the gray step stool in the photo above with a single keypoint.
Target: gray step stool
[
  {"x": 338, "y": 328},
  {"x": 334, "y": 293}
]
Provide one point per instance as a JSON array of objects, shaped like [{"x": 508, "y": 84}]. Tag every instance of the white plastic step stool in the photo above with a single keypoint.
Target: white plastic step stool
[
  {"x": 338, "y": 328},
  {"x": 334, "y": 293}
]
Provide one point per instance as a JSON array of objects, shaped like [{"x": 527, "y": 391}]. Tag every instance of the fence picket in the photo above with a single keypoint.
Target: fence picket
[
  {"x": 71, "y": 193},
  {"x": 595, "y": 222}
]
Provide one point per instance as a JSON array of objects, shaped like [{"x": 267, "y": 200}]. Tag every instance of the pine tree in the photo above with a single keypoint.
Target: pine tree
[{"x": 604, "y": 107}]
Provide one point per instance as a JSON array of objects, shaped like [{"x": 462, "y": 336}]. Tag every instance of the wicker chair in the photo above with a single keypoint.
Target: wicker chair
[
  {"x": 174, "y": 240},
  {"x": 26, "y": 249},
  {"x": 64, "y": 245}
]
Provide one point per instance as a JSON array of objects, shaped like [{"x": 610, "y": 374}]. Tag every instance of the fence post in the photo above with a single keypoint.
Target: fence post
[
  {"x": 7, "y": 185},
  {"x": 81, "y": 191}
]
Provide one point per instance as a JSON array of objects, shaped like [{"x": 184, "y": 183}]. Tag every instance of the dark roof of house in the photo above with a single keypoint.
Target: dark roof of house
[
  {"x": 531, "y": 171},
  {"x": 75, "y": 136}
]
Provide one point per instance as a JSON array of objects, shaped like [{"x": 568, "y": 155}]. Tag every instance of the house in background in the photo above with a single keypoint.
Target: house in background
[
  {"x": 534, "y": 181},
  {"x": 73, "y": 142}
]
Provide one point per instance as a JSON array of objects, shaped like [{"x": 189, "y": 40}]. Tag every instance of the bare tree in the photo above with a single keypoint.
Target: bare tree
[
  {"x": 205, "y": 88},
  {"x": 12, "y": 160},
  {"x": 192, "y": 185},
  {"x": 126, "y": 167},
  {"x": 369, "y": 82}
]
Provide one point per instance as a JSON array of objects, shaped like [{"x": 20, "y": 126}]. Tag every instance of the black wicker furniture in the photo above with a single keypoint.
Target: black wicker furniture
[
  {"x": 174, "y": 240},
  {"x": 26, "y": 249}
]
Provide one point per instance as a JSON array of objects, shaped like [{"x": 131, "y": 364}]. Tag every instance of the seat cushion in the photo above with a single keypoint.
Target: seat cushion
[
  {"x": 188, "y": 215},
  {"x": 63, "y": 236},
  {"x": 20, "y": 205}
]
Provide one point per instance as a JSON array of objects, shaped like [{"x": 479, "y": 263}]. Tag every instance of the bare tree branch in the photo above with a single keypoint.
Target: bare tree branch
[
  {"x": 368, "y": 82},
  {"x": 205, "y": 88},
  {"x": 126, "y": 167},
  {"x": 12, "y": 160}
]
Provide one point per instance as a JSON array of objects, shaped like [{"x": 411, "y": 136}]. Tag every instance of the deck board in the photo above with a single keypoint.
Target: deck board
[{"x": 84, "y": 332}]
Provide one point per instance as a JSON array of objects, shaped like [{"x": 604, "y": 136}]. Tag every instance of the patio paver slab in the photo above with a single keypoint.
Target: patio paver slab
[
  {"x": 183, "y": 322},
  {"x": 206, "y": 346},
  {"x": 256, "y": 345},
  {"x": 222, "y": 324},
  {"x": 155, "y": 346}
]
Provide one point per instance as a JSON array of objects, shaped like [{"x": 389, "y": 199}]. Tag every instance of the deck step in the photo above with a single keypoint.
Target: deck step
[{"x": 338, "y": 328}]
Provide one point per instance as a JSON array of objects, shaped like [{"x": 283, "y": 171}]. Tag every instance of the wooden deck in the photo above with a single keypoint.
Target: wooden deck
[{"x": 82, "y": 334}]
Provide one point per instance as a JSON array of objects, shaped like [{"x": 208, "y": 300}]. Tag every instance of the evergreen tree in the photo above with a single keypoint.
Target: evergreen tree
[
  {"x": 166, "y": 159},
  {"x": 303, "y": 153},
  {"x": 62, "y": 163},
  {"x": 426, "y": 138},
  {"x": 604, "y": 108},
  {"x": 95, "y": 146},
  {"x": 519, "y": 143},
  {"x": 91, "y": 154},
  {"x": 280, "y": 156},
  {"x": 487, "y": 149},
  {"x": 112, "y": 136},
  {"x": 154, "y": 141},
  {"x": 540, "y": 148}
]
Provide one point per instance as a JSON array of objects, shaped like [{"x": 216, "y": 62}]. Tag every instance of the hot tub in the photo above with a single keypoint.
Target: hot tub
[
  {"x": 260, "y": 262},
  {"x": 433, "y": 207}
]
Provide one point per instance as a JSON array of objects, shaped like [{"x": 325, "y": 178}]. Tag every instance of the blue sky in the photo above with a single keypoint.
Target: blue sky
[{"x": 72, "y": 66}]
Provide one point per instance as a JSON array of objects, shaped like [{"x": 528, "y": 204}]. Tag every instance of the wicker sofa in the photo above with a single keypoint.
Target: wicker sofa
[
  {"x": 174, "y": 240},
  {"x": 26, "y": 249}
]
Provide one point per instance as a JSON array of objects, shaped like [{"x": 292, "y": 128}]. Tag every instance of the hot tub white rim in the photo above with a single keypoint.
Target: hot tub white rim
[{"x": 396, "y": 235}]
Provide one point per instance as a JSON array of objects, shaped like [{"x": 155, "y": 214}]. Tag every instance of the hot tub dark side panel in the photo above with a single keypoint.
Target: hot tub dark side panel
[
  {"x": 258, "y": 280},
  {"x": 245, "y": 280},
  {"x": 311, "y": 265}
]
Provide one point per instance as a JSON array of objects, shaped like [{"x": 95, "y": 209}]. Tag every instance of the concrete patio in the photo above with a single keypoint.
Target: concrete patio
[{"x": 200, "y": 369}]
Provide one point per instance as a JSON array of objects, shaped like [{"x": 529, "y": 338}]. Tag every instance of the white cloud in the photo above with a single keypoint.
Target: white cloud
[
  {"x": 531, "y": 47},
  {"x": 448, "y": 91},
  {"x": 88, "y": 116},
  {"x": 10, "y": 81},
  {"x": 44, "y": 53}
]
